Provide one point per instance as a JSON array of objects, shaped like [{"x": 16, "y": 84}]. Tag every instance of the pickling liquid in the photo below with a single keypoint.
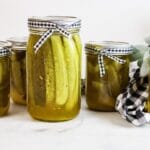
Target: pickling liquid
[
  {"x": 101, "y": 92},
  {"x": 4, "y": 85},
  {"x": 53, "y": 77}
]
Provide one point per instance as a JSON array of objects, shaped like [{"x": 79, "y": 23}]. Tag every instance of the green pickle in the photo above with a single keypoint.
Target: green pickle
[
  {"x": 53, "y": 76},
  {"x": 18, "y": 70},
  {"x": 101, "y": 92},
  {"x": 147, "y": 103},
  {"x": 4, "y": 78}
]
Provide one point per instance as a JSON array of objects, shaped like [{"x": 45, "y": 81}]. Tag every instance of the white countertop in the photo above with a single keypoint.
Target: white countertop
[{"x": 89, "y": 131}]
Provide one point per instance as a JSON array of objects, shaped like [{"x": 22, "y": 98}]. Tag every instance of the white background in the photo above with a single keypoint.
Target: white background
[{"x": 121, "y": 20}]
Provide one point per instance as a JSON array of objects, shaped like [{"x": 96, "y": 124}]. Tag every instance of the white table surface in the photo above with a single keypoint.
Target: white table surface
[{"x": 89, "y": 131}]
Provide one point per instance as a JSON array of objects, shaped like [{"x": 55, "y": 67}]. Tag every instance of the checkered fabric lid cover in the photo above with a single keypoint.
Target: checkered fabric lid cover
[
  {"x": 108, "y": 49},
  {"x": 5, "y": 48}
]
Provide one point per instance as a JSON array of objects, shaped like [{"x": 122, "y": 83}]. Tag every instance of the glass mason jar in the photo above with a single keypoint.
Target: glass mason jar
[
  {"x": 18, "y": 70},
  {"x": 107, "y": 72},
  {"x": 54, "y": 68},
  {"x": 4, "y": 77}
]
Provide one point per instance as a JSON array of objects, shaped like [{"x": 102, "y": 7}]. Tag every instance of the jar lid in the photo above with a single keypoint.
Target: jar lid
[
  {"x": 112, "y": 47},
  {"x": 18, "y": 43},
  {"x": 108, "y": 45},
  {"x": 48, "y": 22},
  {"x": 5, "y": 48}
]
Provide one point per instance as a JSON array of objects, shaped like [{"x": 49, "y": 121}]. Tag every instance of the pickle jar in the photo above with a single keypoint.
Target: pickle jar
[
  {"x": 54, "y": 68},
  {"x": 4, "y": 77},
  {"x": 107, "y": 72},
  {"x": 18, "y": 69}
]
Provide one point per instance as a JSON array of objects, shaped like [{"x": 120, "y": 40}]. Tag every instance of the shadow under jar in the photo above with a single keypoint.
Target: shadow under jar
[
  {"x": 4, "y": 77},
  {"x": 54, "y": 68},
  {"x": 107, "y": 72},
  {"x": 18, "y": 70}
]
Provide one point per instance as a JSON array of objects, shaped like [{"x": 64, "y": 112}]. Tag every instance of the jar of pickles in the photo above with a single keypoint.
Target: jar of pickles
[
  {"x": 107, "y": 72},
  {"x": 4, "y": 77},
  {"x": 18, "y": 69},
  {"x": 53, "y": 68}
]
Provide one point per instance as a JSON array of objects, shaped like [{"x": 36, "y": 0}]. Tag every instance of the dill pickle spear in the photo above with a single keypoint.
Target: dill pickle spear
[
  {"x": 39, "y": 77},
  {"x": 1, "y": 73},
  {"x": 101, "y": 91},
  {"x": 17, "y": 76},
  {"x": 72, "y": 66},
  {"x": 78, "y": 43},
  {"x": 60, "y": 70},
  {"x": 69, "y": 55},
  {"x": 123, "y": 72},
  {"x": 5, "y": 71},
  {"x": 23, "y": 70},
  {"x": 4, "y": 81},
  {"x": 113, "y": 81},
  {"x": 29, "y": 61},
  {"x": 49, "y": 73}
]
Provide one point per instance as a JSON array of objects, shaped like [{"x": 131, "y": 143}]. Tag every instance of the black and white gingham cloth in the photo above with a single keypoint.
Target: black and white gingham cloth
[
  {"x": 4, "y": 52},
  {"x": 130, "y": 103},
  {"x": 51, "y": 28},
  {"x": 110, "y": 53}
]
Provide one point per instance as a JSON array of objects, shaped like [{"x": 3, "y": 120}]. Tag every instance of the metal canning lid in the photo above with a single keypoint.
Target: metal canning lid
[
  {"x": 113, "y": 46},
  {"x": 5, "y": 48},
  {"x": 18, "y": 43},
  {"x": 47, "y": 22}
]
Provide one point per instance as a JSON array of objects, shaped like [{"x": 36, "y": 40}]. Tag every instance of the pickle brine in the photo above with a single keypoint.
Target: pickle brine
[
  {"x": 4, "y": 77},
  {"x": 101, "y": 92}
]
